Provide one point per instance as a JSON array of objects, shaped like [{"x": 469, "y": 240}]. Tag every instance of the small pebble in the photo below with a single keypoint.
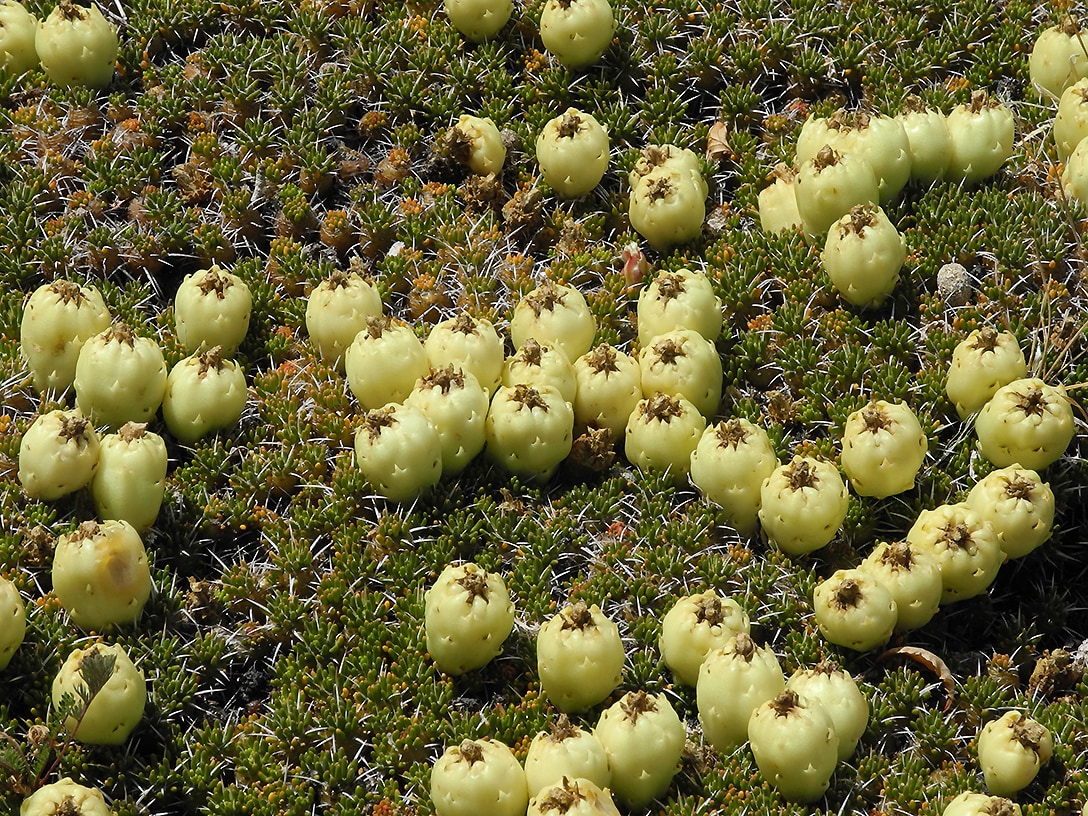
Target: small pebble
[{"x": 954, "y": 284}]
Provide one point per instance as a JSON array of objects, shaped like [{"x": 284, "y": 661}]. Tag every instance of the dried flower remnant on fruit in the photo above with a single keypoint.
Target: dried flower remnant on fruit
[
  {"x": 465, "y": 324},
  {"x": 1029, "y": 733},
  {"x": 561, "y": 798},
  {"x": 376, "y": 326},
  {"x": 577, "y": 616},
  {"x": 210, "y": 360},
  {"x": 377, "y": 420},
  {"x": 957, "y": 535},
  {"x": 662, "y": 407},
  {"x": 545, "y": 298},
  {"x": 669, "y": 351},
  {"x": 338, "y": 278},
  {"x": 470, "y": 751},
  {"x": 86, "y": 531},
  {"x": 847, "y": 594},
  {"x": 529, "y": 397},
  {"x": 120, "y": 333},
  {"x": 475, "y": 584},
  {"x": 214, "y": 282},
  {"x": 785, "y": 703},
  {"x": 652, "y": 156},
  {"x": 862, "y": 216},
  {"x": 898, "y": 555},
  {"x": 874, "y": 417},
  {"x": 1069, "y": 26},
  {"x": 1032, "y": 403},
  {"x": 603, "y": 359},
  {"x": 70, "y": 11},
  {"x": 531, "y": 352},
  {"x": 74, "y": 428},
  {"x": 744, "y": 647},
  {"x": 68, "y": 292},
  {"x": 708, "y": 610},
  {"x": 731, "y": 433},
  {"x": 986, "y": 341},
  {"x": 980, "y": 100},
  {"x": 444, "y": 379},
  {"x": 782, "y": 171},
  {"x": 659, "y": 188},
  {"x": 1020, "y": 488},
  {"x": 636, "y": 704},
  {"x": 563, "y": 729},
  {"x": 827, "y": 157},
  {"x": 670, "y": 286},
  {"x": 131, "y": 431},
  {"x": 570, "y": 124},
  {"x": 801, "y": 475},
  {"x": 845, "y": 120}
]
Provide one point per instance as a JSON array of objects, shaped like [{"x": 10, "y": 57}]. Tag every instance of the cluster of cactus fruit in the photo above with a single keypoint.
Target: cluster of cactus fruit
[
  {"x": 433, "y": 405},
  {"x": 850, "y": 165}
]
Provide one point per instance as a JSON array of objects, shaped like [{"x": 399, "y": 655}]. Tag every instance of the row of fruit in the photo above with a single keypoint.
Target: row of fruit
[
  {"x": 432, "y": 406},
  {"x": 521, "y": 409},
  {"x": 667, "y": 203},
  {"x": 950, "y": 553},
  {"x": 119, "y": 376},
  {"x": 853, "y": 157},
  {"x": 577, "y": 34},
  {"x": 848, "y": 164},
  {"x": 798, "y": 729}
]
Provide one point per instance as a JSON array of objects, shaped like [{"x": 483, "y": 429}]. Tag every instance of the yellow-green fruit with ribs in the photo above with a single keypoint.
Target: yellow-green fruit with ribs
[
  {"x": 18, "y": 28},
  {"x": 795, "y": 745},
  {"x": 58, "y": 454},
  {"x": 101, "y": 575},
  {"x": 115, "y": 711},
  {"x": 58, "y": 318},
  {"x": 579, "y": 657},
  {"x": 468, "y": 615},
  {"x": 477, "y": 777},
  {"x": 77, "y": 46},
  {"x": 12, "y": 621},
  {"x": 65, "y": 798}
]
